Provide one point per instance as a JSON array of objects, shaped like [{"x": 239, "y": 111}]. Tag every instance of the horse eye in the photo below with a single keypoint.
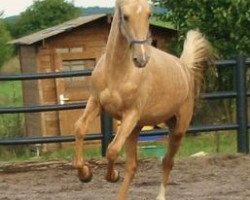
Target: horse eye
[
  {"x": 149, "y": 15},
  {"x": 126, "y": 18}
]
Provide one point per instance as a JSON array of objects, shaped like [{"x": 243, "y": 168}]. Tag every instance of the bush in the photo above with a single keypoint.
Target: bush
[{"x": 6, "y": 49}]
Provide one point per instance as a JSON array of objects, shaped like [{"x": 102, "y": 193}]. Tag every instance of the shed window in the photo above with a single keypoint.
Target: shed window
[
  {"x": 69, "y": 50},
  {"x": 71, "y": 65}
]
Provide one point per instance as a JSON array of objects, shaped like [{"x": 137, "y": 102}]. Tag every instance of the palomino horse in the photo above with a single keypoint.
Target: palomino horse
[{"x": 141, "y": 85}]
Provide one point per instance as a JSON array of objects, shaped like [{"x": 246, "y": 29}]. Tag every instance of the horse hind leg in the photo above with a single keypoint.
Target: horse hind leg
[
  {"x": 177, "y": 126},
  {"x": 92, "y": 110}
]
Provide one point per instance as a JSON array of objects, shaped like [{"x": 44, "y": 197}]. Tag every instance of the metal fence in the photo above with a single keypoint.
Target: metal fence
[{"x": 240, "y": 94}]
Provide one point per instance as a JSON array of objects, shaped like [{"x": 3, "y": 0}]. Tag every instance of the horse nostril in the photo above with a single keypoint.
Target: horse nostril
[
  {"x": 139, "y": 62},
  {"x": 135, "y": 60}
]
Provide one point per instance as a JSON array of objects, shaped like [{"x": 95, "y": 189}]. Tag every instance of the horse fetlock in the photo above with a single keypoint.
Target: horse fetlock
[
  {"x": 113, "y": 177},
  {"x": 85, "y": 174},
  {"x": 161, "y": 195},
  {"x": 160, "y": 198},
  {"x": 78, "y": 162}
]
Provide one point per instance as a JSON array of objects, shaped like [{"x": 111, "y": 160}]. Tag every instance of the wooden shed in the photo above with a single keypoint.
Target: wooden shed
[{"x": 73, "y": 45}]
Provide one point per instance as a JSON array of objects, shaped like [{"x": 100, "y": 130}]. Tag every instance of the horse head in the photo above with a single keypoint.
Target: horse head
[{"x": 134, "y": 17}]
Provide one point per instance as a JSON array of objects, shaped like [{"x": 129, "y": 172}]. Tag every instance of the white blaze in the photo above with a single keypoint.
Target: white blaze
[
  {"x": 139, "y": 10},
  {"x": 143, "y": 52}
]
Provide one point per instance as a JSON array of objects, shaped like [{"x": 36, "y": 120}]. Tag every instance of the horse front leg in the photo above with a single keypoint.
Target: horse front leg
[
  {"x": 81, "y": 126},
  {"x": 131, "y": 162},
  {"x": 128, "y": 124}
]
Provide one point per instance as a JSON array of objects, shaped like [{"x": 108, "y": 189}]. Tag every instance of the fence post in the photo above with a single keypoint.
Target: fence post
[
  {"x": 241, "y": 102},
  {"x": 107, "y": 130}
]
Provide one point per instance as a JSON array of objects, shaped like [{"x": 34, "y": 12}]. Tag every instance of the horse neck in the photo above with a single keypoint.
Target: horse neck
[{"x": 117, "y": 49}]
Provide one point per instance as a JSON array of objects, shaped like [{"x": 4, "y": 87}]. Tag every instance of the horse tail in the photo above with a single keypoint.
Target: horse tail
[{"x": 196, "y": 54}]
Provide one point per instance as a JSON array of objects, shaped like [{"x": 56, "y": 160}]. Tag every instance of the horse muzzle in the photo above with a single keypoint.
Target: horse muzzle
[
  {"x": 141, "y": 61},
  {"x": 141, "y": 54}
]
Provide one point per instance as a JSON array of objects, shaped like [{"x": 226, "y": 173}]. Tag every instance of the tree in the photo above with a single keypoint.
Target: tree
[
  {"x": 6, "y": 50},
  {"x": 225, "y": 23},
  {"x": 43, "y": 14}
]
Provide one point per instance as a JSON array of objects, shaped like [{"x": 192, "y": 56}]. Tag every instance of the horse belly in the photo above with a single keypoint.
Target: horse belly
[
  {"x": 155, "y": 118},
  {"x": 160, "y": 111}
]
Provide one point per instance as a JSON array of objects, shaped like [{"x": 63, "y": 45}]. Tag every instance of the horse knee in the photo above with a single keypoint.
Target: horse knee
[
  {"x": 80, "y": 129},
  {"x": 112, "y": 153}
]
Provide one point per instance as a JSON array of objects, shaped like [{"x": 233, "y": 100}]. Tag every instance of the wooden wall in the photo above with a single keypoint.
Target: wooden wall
[
  {"x": 91, "y": 39},
  {"x": 47, "y": 90}
]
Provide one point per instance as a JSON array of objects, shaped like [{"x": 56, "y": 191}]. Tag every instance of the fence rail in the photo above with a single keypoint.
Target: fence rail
[
  {"x": 240, "y": 95},
  {"x": 78, "y": 73},
  {"x": 42, "y": 108},
  {"x": 48, "y": 75},
  {"x": 73, "y": 106},
  {"x": 99, "y": 136}
]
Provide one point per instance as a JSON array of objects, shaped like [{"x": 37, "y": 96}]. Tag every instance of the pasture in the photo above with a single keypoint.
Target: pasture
[{"x": 215, "y": 178}]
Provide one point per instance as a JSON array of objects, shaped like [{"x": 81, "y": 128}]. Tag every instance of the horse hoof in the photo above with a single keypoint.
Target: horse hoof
[
  {"x": 85, "y": 175},
  {"x": 115, "y": 177}
]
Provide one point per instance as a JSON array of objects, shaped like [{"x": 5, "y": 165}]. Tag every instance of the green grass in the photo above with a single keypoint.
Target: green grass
[
  {"x": 15, "y": 154},
  {"x": 67, "y": 153},
  {"x": 11, "y": 93},
  {"x": 209, "y": 144},
  {"x": 91, "y": 151},
  {"x": 12, "y": 125},
  {"x": 190, "y": 146}
]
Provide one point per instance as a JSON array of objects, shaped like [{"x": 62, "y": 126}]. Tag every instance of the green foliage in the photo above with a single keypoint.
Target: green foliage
[
  {"x": 212, "y": 143},
  {"x": 11, "y": 95},
  {"x": 11, "y": 126},
  {"x": 96, "y": 10},
  {"x": 225, "y": 23},
  {"x": 43, "y": 14},
  {"x": 6, "y": 50}
]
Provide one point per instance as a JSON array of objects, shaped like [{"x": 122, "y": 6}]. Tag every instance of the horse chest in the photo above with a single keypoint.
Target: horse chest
[{"x": 117, "y": 99}]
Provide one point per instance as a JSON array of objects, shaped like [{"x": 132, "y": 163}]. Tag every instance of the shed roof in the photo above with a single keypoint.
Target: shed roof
[
  {"x": 66, "y": 26},
  {"x": 55, "y": 30}
]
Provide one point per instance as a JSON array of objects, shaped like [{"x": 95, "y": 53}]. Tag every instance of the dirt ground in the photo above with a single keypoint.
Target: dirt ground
[{"x": 210, "y": 178}]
